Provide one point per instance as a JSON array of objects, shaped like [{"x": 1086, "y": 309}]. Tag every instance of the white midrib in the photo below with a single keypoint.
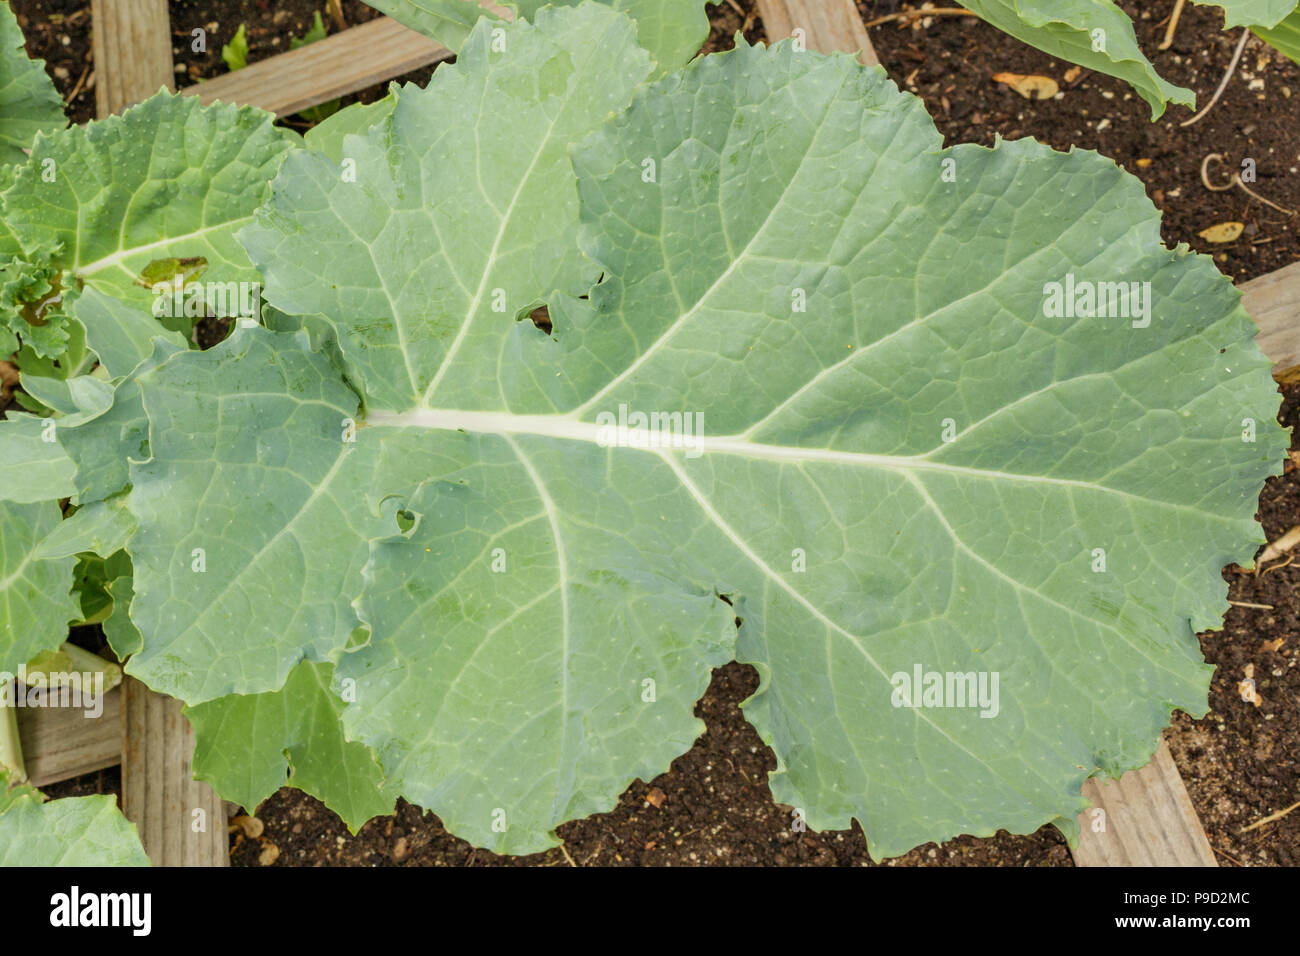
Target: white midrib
[
  {"x": 6, "y": 583},
  {"x": 507, "y": 217},
  {"x": 562, "y": 567},
  {"x": 569, "y": 428},
  {"x": 779, "y": 581},
  {"x": 117, "y": 258}
]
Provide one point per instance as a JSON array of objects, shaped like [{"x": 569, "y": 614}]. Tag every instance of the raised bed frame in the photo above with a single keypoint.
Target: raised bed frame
[{"x": 1146, "y": 817}]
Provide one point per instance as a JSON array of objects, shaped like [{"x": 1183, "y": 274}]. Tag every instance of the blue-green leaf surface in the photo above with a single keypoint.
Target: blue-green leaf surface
[{"x": 908, "y": 460}]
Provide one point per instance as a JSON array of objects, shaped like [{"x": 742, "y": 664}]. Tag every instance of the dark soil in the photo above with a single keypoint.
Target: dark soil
[
  {"x": 713, "y": 806},
  {"x": 950, "y": 63},
  {"x": 58, "y": 32},
  {"x": 1242, "y": 761}
]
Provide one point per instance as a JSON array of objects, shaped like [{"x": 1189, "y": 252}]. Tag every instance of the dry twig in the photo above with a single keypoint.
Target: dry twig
[
  {"x": 1235, "y": 180},
  {"x": 1227, "y": 856},
  {"x": 1223, "y": 84},
  {"x": 919, "y": 14},
  {"x": 1276, "y": 567},
  {"x": 1270, "y": 818},
  {"x": 85, "y": 71},
  {"x": 1168, "y": 41}
]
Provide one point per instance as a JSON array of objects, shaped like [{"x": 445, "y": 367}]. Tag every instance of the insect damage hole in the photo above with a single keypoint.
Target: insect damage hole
[{"x": 541, "y": 317}]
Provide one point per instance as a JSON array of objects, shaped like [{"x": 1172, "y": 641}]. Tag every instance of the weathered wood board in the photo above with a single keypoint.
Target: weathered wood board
[
  {"x": 132, "y": 45},
  {"x": 62, "y": 742},
  {"x": 359, "y": 57},
  {"x": 1273, "y": 301},
  {"x": 133, "y": 59},
  {"x": 1148, "y": 820},
  {"x": 829, "y": 26},
  {"x": 182, "y": 821}
]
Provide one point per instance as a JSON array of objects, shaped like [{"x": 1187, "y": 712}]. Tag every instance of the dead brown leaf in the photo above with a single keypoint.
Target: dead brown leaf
[
  {"x": 1223, "y": 232},
  {"x": 1031, "y": 86},
  {"x": 251, "y": 826}
]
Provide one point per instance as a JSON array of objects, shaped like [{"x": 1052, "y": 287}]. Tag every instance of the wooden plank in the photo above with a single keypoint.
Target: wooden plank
[
  {"x": 132, "y": 45},
  {"x": 1273, "y": 301},
  {"x": 159, "y": 793},
  {"x": 1149, "y": 820},
  {"x": 60, "y": 743},
  {"x": 133, "y": 58},
  {"x": 359, "y": 57},
  {"x": 829, "y": 26}
]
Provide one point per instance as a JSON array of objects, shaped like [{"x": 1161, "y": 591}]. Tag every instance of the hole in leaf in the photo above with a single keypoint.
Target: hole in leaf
[
  {"x": 541, "y": 317},
  {"x": 210, "y": 331}
]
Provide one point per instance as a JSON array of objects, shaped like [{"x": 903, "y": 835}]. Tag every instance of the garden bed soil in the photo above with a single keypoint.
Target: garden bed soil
[
  {"x": 950, "y": 63},
  {"x": 1241, "y": 762}
]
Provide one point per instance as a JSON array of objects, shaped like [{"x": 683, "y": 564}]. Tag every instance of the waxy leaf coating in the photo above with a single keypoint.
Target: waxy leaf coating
[
  {"x": 169, "y": 179},
  {"x": 251, "y": 746},
  {"x": 671, "y": 30},
  {"x": 35, "y": 603},
  {"x": 907, "y": 454},
  {"x": 74, "y": 831},
  {"x": 1285, "y": 36}
]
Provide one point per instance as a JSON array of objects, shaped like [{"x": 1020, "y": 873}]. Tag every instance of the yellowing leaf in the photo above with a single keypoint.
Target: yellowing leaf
[
  {"x": 166, "y": 270},
  {"x": 1029, "y": 85},
  {"x": 1222, "y": 232}
]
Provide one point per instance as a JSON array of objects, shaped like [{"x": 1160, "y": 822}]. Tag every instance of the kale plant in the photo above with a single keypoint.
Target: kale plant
[{"x": 943, "y": 441}]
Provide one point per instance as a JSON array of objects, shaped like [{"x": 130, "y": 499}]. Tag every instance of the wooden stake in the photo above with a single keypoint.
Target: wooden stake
[
  {"x": 62, "y": 742},
  {"x": 359, "y": 57},
  {"x": 1148, "y": 820},
  {"x": 1273, "y": 301},
  {"x": 829, "y": 26},
  {"x": 132, "y": 45},
  {"x": 182, "y": 821}
]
